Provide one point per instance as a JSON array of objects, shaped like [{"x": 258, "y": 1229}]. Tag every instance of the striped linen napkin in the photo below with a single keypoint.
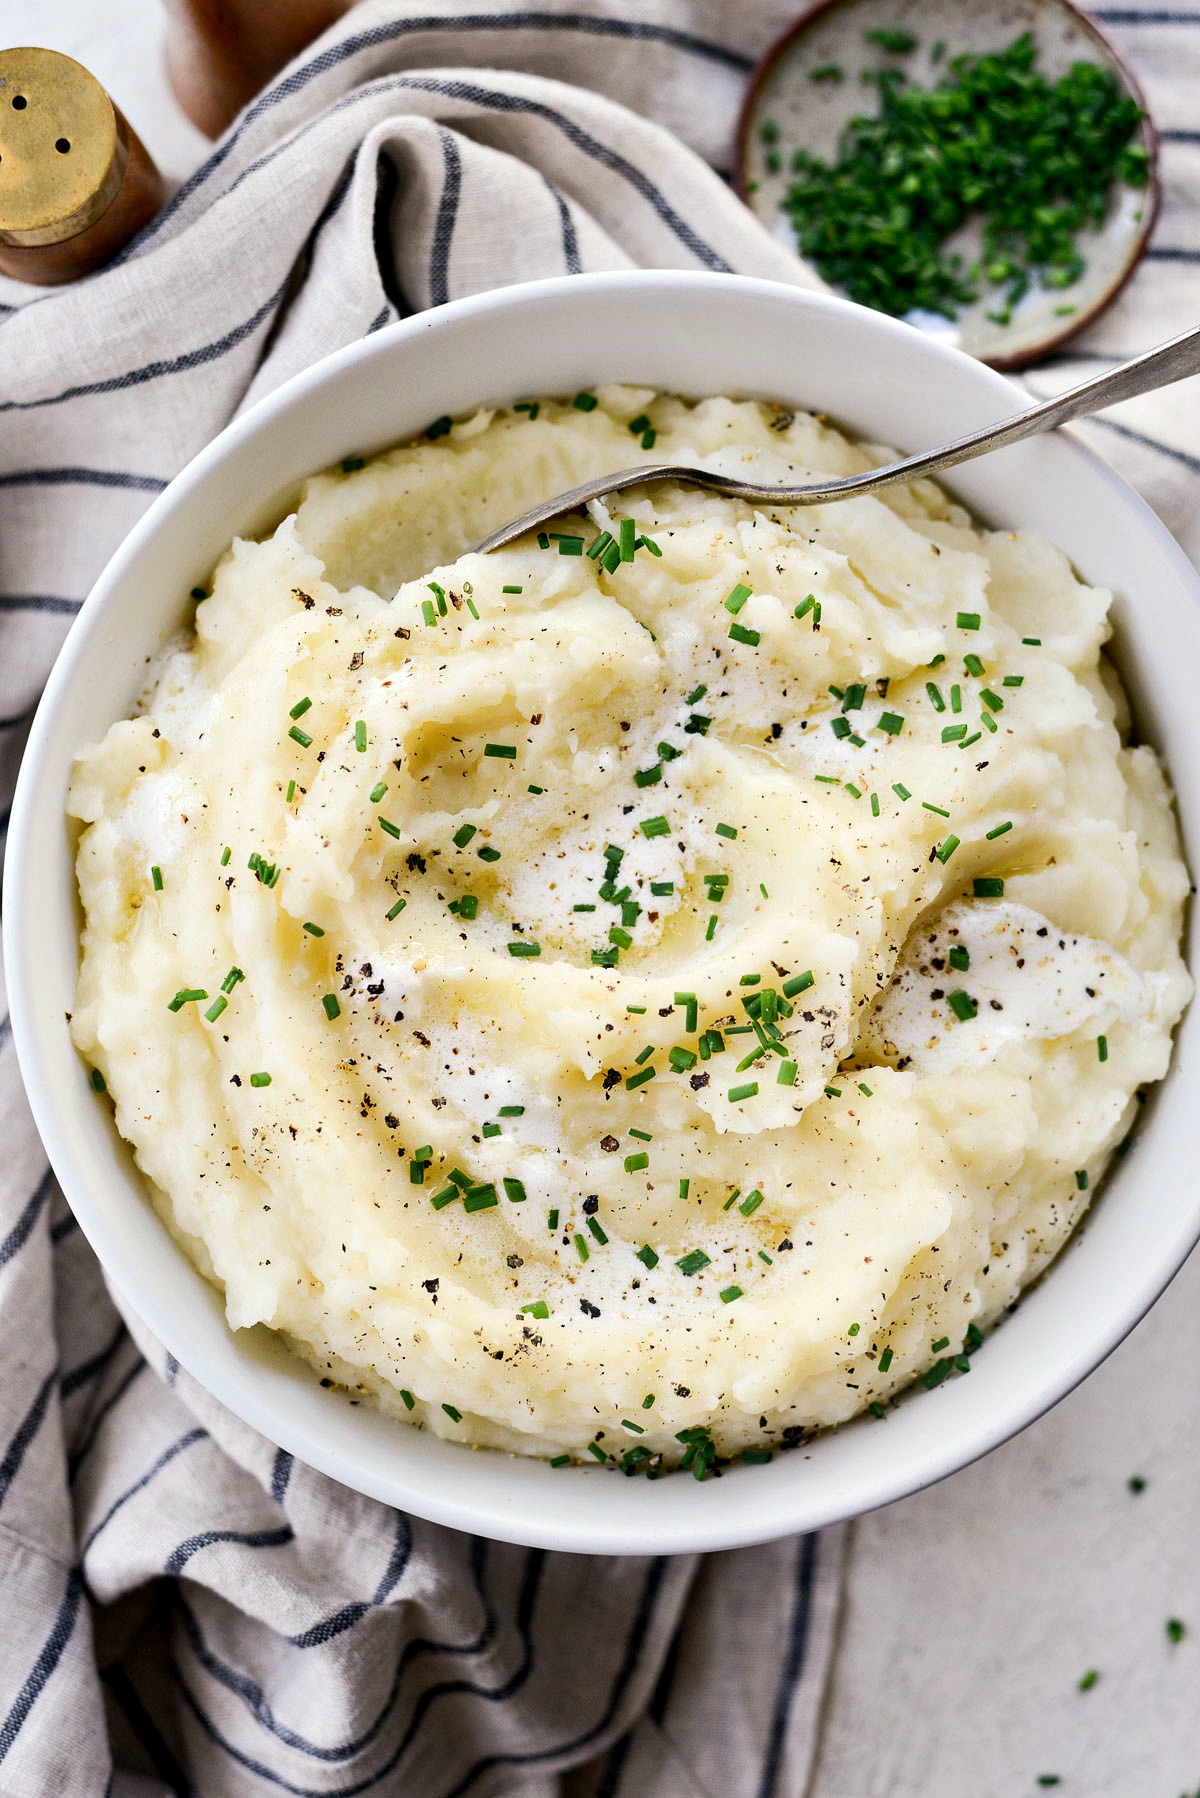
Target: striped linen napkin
[{"x": 180, "y": 1599}]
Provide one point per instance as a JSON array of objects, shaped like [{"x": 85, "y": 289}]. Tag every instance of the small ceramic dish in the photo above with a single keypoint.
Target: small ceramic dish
[
  {"x": 693, "y": 334},
  {"x": 810, "y": 85}
]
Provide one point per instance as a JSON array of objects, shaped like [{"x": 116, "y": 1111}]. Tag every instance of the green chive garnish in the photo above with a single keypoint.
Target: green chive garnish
[
  {"x": 524, "y": 949},
  {"x": 730, "y": 1293},
  {"x": 968, "y": 621},
  {"x": 300, "y": 736},
  {"x": 962, "y": 1005},
  {"x": 748, "y": 1091},
  {"x": 332, "y": 1008},
  {"x": 396, "y": 909},
  {"x": 98, "y": 1081},
  {"x": 260, "y": 1079},
  {"x": 301, "y": 706},
  {"x": 505, "y": 752},
  {"x": 986, "y": 886},
  {"x": 156, "y": 879}
]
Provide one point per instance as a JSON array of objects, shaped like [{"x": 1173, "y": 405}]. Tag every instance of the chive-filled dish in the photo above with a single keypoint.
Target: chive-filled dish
[{"x": 647, "y": 994}]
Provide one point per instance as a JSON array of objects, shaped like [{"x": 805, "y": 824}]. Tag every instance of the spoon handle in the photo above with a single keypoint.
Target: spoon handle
[{"x": 1159, "y": 367}]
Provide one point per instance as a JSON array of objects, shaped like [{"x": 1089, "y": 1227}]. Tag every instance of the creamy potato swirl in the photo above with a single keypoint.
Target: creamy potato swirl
[{"x": 684, "y": 975}]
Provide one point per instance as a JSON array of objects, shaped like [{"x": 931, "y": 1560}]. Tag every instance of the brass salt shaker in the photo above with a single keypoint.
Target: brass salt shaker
[{"x": 76, "y": 182}]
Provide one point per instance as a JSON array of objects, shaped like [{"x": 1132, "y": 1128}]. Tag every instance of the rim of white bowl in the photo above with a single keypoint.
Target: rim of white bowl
[{"x": 514, "y": 1498}]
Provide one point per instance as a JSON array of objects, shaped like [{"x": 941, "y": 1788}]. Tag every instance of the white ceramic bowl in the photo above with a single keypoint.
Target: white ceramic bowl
[{"x": 690, "y": 334}]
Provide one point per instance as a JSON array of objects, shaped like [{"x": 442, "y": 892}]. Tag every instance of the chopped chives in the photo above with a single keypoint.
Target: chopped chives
[
  {"x": 451, "y": 1413},
  {"x": 693, "y": 1261},
  {"x": 594, "y": 1448},
  {"x": 439, "y": 427},
  {"x": 959, "y": 958},
  {"x": 396, "y": 909},
  {"x": 655, "y": 827},
  {"x": 638, "y": 1011},
  {"x": 636, "y": 1428},
  {"x": 748, "y": 1091},
  {"x": 956, "y": 698},
  {"x": 1102, "y": 1048},
  {"x": 225, "y": 855},
  {"x": 684, "y": 1188},
  {"x": 999, "y": 831},
  {"x": 291, "y": 792},
  {"x": 787, "y": 1074},
  {"x": 891, "y": 722},
  {"x": 471, "y": 607},
  {"x": 512, "y": 589},
  {"x": 953, "y": 733},
  {"x": 583, "y": 908},
  {"x": 935, "y": 698},
  {"x": 187, "y": 995},
  {"x": 712, "y": 929},
  {"x": 696, "y": 695},
  {"x": 751, "y": 1203},
  {"x": 741, "y": 633},
  {"x": 597, "y": 1230},
  {"x": 940, "y": 810},
  {"x": 98, "y": 1081},
  {"x": 332, "y": 1008},
  {"x": 408, "y": 1398},
  {"x": 560, "y": 1460},
  {"x": 636, "y": 1080},
  {"x": 799, "y": 983},
  {"x": 988, "y": 887},
  {"x": 481, "y": 1198},
  {"x": 1033, "y": 642},
  {"x": 505, "y": 752},
  {"x": 968, "y": 621},
  {"x": 447, "y": 1196},
  {"x": 427, "y": 611},
  {"x": 886, "y": 1359},
  {"x": 488, "y": 854},
  {"x": 393, "y": 830},
  {"x": 874, "y": 811},
  {"x": 642, "y": 1135},
  {"x": 730, "y": 1293},
  {"x": 635, "y": 1163},
  {"x": 962, "y": 1005},
  {"x": 300, "y": 736},
  {"x": 648, "y": 1259},
  {"x": 569, "y": 546},
  {"x": 727, "y": 830},
  {"x": 491, "y": 1130},
  {"x": 900, "y": 791},
  {"x": 973, "y": 665},
  {"x": 312, "y": 929},
  {"x": 552, "y": 1219},
  {"x": 738, "y": 598},
  {"x": 585, "y": 402},
  {"x": 646, "y": 777},
  {"x": 360, "y": 735},
  {"x": 581, "y": 1247},
  {"x": 1081, "y": 1178},
  {"x": 539, "y": 1308},
  {"x": 156, "y": 879},
  {"x": 691, "y": 1009},
  {"x": 1013, "y": 680},
  {"x": 945, "y": 850},
  {"x": 301, "y": 706},
  {"x": 992, "y": 700},
  {"x": 628, "y": 532},
  {"x": 231, "y": 979},
  {"x": 524, "y": 949}
]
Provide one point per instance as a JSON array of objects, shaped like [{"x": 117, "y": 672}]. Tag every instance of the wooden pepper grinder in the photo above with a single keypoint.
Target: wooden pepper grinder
[
  {"x": 75, "y": 181},
  {"x": 220, "y": 53}
]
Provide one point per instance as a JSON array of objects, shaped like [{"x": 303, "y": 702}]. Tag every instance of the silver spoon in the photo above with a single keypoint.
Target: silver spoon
[{"x": 1171, "y": 361}]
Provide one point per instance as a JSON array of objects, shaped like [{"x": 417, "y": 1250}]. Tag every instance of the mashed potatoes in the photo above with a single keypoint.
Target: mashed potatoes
[{"x": 653, "y": 991}]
